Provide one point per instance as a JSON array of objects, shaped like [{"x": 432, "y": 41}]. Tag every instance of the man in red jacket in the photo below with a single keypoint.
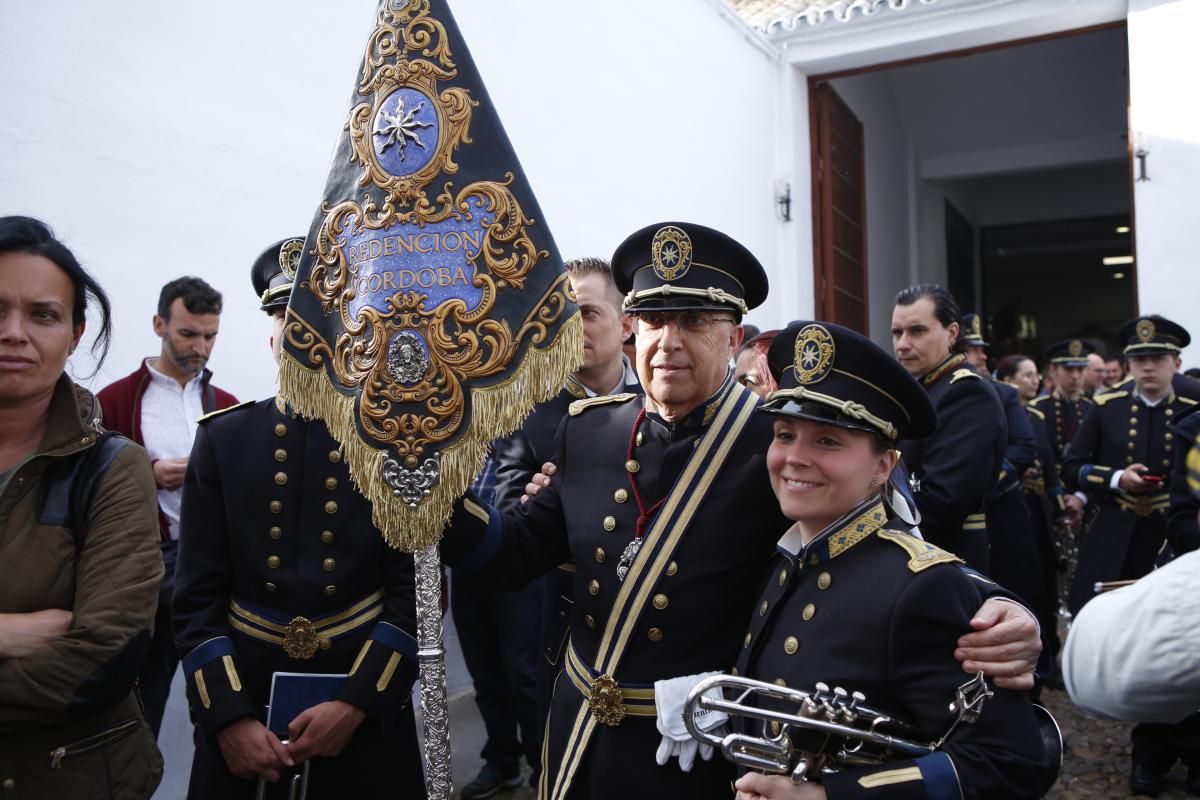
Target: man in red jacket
[{"x": 158, "y": 406}]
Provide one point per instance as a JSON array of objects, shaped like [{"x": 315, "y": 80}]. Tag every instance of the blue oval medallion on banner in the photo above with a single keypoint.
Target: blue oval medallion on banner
[{"x": 405, "y": 134}]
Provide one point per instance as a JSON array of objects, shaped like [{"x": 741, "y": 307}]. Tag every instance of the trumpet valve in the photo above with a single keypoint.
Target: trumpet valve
[
  {"x": 835, "y": 707},
  {"x": 849, "y": 712}
]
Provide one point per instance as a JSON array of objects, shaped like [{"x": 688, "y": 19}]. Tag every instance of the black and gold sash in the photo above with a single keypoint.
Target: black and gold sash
[{"x": 656, "y": 553}]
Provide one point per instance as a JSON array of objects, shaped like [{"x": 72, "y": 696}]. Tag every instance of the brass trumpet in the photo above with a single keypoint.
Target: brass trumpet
[{"x": 835, "y": 726}]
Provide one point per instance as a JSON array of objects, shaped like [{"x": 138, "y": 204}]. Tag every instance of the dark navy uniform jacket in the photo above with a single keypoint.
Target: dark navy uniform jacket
[
  {"x": 1183, "y": 532},
  {"x": 956, "y": 469},
  {"x": 877, "y": 611},
  {"x": 1063, "y": 418},
  {"x": 692, "y": 617},
  {"x": 1013, "y": 556},
  {"x": 518, "y": 458},
  {"x": 273, "y": 530},
  {"x": 1124, "y": 540}
]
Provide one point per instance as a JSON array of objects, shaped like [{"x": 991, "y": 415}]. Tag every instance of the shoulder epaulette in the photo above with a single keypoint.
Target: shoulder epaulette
[
  {"x": 959, "y": 374},
  {"x": 1101, "y": 399},
  {"x": 579, "y": 406},
  {"x": 221, "y": 411},
  {"x": 1035, "y": 412},
  {"x": 1041, "y": 398},
  {"x": 1187, "y": 401},
  {"x": 921, "y": 554}
]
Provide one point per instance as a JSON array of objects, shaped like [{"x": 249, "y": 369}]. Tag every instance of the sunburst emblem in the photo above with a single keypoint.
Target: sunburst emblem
[
  {"x": 976, "y": 326},
  {"x": 1075, "y": 348},
  {"x": 1146, "y": 331},
  {"x": 814, "y": 354},
  {"x": 401, "y": 128},
  {"x": 670, "y": 253},
  {"x": 289, "y": 257}
]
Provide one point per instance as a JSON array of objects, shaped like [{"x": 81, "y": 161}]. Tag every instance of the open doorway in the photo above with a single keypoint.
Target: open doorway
[{"x": 1002, "y": 173}]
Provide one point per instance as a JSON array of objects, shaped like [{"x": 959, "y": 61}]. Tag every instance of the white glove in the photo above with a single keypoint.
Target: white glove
[{"x": 670, "y": 696}]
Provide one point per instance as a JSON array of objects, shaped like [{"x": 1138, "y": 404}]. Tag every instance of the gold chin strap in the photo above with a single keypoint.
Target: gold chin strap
[
  {"x": 846, "y": 407},
  {"x": 711, "y": 294}
]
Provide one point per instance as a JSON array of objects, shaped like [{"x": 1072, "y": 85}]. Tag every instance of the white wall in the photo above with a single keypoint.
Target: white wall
[
  {"x": 1163, "y": 62},
  {"x": 160, "y": 140},
  {"x": 887, "y": 158}
]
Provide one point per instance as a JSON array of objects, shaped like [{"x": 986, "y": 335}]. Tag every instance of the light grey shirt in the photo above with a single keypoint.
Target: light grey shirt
[{"x": 1134, "y": 653}]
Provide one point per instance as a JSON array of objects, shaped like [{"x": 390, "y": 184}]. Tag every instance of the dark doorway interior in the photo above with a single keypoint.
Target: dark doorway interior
[
  {"x": 1048, "y": 281},
  {"x": 960, "y": 257}
]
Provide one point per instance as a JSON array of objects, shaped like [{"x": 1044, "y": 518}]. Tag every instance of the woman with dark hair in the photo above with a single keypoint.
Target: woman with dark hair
[{"x": 79, "y": 563}]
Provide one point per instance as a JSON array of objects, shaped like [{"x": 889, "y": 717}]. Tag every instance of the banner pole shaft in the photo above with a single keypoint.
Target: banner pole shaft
[{"x": 431, "y": 656}]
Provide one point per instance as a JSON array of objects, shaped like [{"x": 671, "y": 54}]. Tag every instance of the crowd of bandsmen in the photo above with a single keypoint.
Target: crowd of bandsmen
[{"x": 799, "y": 507}]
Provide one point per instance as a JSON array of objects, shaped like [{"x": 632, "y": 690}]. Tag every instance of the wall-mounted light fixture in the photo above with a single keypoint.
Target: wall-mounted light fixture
[
  {"x": 1140, "y": 153},
  {"x": 783, "y": 200},
  {"x": 1116, "y": 261},
  {"x": 1118, "y": 275},
  {"x": 1122, "y": 229}
]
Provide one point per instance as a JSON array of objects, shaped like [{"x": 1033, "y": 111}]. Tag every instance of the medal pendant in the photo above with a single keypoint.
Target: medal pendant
[{"x": 627, "y": 557}]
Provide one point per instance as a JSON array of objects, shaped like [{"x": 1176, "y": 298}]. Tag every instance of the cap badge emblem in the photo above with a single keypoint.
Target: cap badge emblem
[
  {"x": 1075, "y": 348},
  {"x": 289, "y": 257},
  {"x": 670, "y": 253},
  {"x": 976, "y": 328},
  {"x": 1146, "y": 331},
  {"x": 814, "y": 354}
]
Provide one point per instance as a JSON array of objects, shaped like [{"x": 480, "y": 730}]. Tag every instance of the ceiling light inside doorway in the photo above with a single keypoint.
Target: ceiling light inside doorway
[
  {"x": 1123, "y": 229},
  {"x": 1113, "y": 261},
  {"x": 1118, "y": 275}
]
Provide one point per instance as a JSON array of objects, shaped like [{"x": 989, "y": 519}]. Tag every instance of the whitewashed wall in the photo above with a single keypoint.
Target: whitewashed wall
[
  {"x": 165, "y": 139},
  {"x": 1163, "y": 60}
]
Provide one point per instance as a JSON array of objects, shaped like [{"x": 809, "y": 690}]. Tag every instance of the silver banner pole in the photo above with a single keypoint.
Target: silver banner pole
[{"x": 431, "y": 656}]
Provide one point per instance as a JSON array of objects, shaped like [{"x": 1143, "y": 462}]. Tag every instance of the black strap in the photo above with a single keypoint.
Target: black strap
[
  {"x": 209, "y": 403},
  {"x": 70, "y": 484}
]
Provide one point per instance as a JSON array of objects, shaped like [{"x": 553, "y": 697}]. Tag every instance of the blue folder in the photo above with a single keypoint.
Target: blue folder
[{"x": 293, "y": 692}]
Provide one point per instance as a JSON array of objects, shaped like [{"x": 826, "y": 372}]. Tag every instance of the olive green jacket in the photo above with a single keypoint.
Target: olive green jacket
[{"x": 79, "y": 687}]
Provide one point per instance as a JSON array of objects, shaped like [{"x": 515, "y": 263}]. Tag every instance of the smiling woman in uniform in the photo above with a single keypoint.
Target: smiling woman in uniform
[{"x": 852, "y": 599}]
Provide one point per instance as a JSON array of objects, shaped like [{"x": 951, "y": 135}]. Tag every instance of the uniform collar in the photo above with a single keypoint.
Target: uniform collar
[
  {"x": 850, "y": 529},
  {"x": 1058, "y": 395},
  {"x": 628, "y": 378},
  {"x": 952, "y": 361},
  {"x": 703, "y": 414}
]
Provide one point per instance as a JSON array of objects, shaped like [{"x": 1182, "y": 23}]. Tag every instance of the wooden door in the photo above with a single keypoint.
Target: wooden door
[{"x": 839, "y": 212}]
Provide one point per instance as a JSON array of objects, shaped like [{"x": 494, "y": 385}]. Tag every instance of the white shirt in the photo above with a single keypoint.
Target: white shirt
[
  {"x": 1134, "y": 653},
  {"x": 170, "y": 414}
]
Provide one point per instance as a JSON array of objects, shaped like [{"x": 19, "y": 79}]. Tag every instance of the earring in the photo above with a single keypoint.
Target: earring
[{"x": 874, "y": 482}]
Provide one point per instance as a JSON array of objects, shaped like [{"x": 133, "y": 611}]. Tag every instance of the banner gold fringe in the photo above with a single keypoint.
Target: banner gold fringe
[{"x": 495, "y": 411}]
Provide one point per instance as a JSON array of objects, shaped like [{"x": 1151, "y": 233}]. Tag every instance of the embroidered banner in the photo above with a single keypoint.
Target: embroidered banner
[{"x": 430, "y": 310}]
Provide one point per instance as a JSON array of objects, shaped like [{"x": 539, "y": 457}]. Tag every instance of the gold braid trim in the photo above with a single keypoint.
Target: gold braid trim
[
  {"x": 496, "y": 411},
  {"x": 846, "y": 407}
]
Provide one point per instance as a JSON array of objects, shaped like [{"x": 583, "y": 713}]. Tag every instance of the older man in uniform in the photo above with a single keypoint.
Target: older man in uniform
[
  {"x": 280, "y": 570},
  {"x": 1121, "y": 458},
  {"x": 499, "y": 630},
  {"x": 666, "y": 508}
]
